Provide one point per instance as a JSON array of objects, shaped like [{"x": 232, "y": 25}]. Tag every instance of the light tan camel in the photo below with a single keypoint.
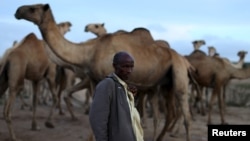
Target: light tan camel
[
  {"x": 154, "y": 65},
  {"x": 213, "y": 72},
  {"x": 96, "y": 28},
  {"x": 27, "y": 60},
  {"x": 198, "y": 43}
]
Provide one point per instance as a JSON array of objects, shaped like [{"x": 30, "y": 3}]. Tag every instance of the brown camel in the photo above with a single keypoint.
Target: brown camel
[
  {"x": 154, "y": 99},
  {"x": 98, "y": 29},
  {"x": 212, "y": 52},
  {"x": 199, "y": 90},
  {"x": 239, "y": 65},
  {"x": 154, "y": 65},
  {"x": 27, "y": 60},
  {"x": 213, "y": 72}
]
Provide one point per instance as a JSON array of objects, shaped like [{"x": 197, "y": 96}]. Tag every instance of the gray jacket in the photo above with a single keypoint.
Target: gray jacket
[{"x": 109, "y": 113}]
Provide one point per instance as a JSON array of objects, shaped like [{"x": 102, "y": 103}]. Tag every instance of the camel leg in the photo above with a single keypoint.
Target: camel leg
[
  {"x": 201, "y": 91},
  {"x": 68, "y": 94},
  {"x": 221, "y": 105},
  {"x": 86, "y": 103},
  {"x": 8, "y": 108},
  {"x": 53, "y": 90},
  {"x": 224, "y": 97},
  {"x": 182, "y": 99},
  {"x": 169, "y": 112},
  {"x": 89, "y": 94},
  {"x": 62, "y": 86},
  {"x": 141, "y": 100},
  {"x": 24, "y": 104},
  {"x": 215, "y": 92},
  {"x": 153, "y": 99},
  {"x": 15, "y": 82},
  {"x": 34, "y": 125},
  {"x": 180, "y": 120}
]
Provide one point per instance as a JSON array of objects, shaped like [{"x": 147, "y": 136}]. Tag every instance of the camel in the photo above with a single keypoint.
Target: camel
[
  {"x": 212, "y": 52},
  {"x": 96, "y": 28},
  {"x": 154, "y": 65},
  {"x": 154, "y": 99},
  {"x": 198, "y": 43},
  {"x": 215, "y": 73},
  {"x": 27, "y": 60},
  {"x": 27, "y": 84},
  {"x": 239, "y": 65},
  {"x": 198, "y": 89}
]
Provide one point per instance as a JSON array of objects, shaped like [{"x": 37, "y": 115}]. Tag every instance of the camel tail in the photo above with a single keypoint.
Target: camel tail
[
  {"x": 60, "y": 74},
  {"x": 4, "y": 77}
]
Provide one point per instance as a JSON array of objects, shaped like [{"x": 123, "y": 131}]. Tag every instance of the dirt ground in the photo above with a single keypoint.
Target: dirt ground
[{"x": 68, "y": 130}]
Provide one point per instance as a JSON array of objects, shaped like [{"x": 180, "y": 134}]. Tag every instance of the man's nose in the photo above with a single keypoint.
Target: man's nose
[{"x": 130, "y": 70}]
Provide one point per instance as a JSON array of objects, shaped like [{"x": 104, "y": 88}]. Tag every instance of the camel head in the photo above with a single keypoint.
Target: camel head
[
  {"x": 64, "y": 27},
  {"x": 33, "y": 13},
  {"x": 198, "y": 43},
  {"x": 211, "y": 50},
  {"x": 96, "y": 28},
  {"x": 242, "y": 54}
]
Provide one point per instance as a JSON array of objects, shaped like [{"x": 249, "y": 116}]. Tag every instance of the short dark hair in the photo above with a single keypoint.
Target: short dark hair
[{"x": 118, "y": 56}]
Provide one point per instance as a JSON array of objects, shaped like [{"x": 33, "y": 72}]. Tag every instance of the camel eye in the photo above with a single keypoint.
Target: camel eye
[
  {"x": 32, "y": 10},
  {"x": 96, "y": 26}
]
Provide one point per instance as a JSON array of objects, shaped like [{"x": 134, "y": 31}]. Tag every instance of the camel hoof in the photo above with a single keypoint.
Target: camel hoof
[
  {"x": 74, "y": 118},
  {"x": 61, "y": 113},
  {"x": 35, "y": 128},
  {"x": 16, "y": 139},
  {"x": 86, "y": 112},
  {"x": 224, "y": 123},
  {"x": 49, "y": 124},
  {"x": 174, "y": 135}
]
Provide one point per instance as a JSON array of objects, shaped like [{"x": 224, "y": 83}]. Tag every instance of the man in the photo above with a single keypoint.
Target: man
[{"x": 113, "y": 116}]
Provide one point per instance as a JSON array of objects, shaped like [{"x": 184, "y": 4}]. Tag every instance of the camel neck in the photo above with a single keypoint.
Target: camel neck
[{"x": 61, "y": 51}]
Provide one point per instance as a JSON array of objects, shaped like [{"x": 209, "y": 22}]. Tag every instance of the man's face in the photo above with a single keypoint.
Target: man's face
[{"x": 124, "y": 68}]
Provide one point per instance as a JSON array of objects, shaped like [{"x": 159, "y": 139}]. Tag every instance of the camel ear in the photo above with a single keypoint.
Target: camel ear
[
  {"x": 194, "y": 42},
  {"x": 46, "y": 7},
  {"x": 102, "y": 24},
  {"x": 69, "y": 23}
]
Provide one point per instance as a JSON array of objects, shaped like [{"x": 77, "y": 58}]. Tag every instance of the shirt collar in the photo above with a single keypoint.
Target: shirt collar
[{"x": 120, "y": 80}]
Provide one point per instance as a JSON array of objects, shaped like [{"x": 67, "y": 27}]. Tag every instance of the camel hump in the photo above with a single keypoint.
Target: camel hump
[
  {"x": 143, "y": 33},
  {"x": 30, "y": 36},
  {"x": 140, "y": 29},
  {"x": 198, "y": 53},
  {"x": 120, "y": 31}
]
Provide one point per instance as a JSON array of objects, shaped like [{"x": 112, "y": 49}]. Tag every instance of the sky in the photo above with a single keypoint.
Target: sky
[{"x": 224, "y": 24}]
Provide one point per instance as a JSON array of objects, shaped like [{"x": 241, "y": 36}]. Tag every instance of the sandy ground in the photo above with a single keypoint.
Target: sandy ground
[{"x": 68, "y": 130}]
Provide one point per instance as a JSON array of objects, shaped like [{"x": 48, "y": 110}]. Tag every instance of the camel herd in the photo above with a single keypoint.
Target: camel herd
[{"x": 159, "y": 70}]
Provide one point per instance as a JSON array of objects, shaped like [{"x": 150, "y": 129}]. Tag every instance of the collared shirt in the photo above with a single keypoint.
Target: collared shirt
[{"x": 135, "y": 117}]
